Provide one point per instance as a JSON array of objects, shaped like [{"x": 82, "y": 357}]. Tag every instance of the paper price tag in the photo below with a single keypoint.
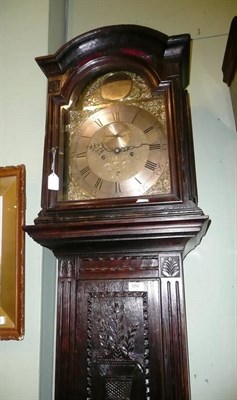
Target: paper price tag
[
  {"x": 53, "y": 182},
  {"x": 136, "y": 286}
]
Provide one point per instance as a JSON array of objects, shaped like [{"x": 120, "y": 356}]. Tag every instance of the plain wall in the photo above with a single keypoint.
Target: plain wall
[
  {"x": 210, "y": 270},
  {"x": 56, "y": 38},
  {"x": 24, "y": 35}
]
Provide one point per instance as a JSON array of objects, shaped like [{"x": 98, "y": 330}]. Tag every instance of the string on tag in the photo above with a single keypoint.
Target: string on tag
[{"x": 53, "y": 151}]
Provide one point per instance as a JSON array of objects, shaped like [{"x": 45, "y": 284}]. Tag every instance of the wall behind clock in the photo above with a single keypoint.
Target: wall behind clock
[
  {"x": 28, "y": 28},
  {"x": 23, "y": 35}
]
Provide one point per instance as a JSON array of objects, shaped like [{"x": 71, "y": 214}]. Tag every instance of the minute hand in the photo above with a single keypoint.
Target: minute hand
[
  {"x": 151, "y": 145},
  {"x": 101, "y": 146}
]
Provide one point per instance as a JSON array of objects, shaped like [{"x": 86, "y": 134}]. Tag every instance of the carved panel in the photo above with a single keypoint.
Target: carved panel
[
  {"x": 118, "y": 361},
  {"x": 105, "y": 349},
  {"x": 122, "y": 263},
  {"x": 84, "y": 267}
]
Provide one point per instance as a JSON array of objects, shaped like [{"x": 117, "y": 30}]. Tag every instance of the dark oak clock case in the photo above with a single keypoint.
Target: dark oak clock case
[{"x": 121, "y": 326}]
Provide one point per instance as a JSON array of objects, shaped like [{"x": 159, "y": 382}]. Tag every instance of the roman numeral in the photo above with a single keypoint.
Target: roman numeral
[
  {"x": 154, "y": 146},
  {"x": 151, "y": 165},
  {"x": 135, "y": 116},
  {"x": 82, "y": 154},
  {"x": 98, "y": 122},
  {"x": 148, "y": 129},
  {"x": 138, "y": 180},
  {"x": 116, "y": 116},
  {"x": 85, "y": 171},
  {"x": 117, "y": 187},
  {"x": 98, "y": 184}
]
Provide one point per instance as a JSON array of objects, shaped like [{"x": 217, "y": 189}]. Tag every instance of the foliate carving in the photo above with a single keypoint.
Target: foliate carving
[
  {"x": 170, "y": 266},
  {"x": 117, "y": 347},
  {"x": 115, "y": 338},
  {"x": 131, "y": 263},
  {"x": 67, "y": 268}
]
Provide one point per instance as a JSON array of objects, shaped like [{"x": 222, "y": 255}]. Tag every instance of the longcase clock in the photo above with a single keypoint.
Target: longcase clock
[{"x": 119, "y": 211}]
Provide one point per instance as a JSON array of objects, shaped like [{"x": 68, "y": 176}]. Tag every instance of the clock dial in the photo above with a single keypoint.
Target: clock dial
[
  {"x": 118, "y": 151},
  {"x": 114, "y": 140}
]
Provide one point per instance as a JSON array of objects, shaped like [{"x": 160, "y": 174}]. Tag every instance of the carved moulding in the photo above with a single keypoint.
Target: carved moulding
[{"x": 169, "y": 265}]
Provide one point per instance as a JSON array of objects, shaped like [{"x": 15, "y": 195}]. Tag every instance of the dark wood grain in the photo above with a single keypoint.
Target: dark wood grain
[{"x": 229, "y": 66}]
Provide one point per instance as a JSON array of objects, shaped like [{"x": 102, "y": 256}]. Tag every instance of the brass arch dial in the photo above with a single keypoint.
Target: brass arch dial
[{"x": 117, "y": 141}]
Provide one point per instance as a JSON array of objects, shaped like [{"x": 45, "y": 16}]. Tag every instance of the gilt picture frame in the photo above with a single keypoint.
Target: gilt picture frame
[{"x": 12, "y": 252}]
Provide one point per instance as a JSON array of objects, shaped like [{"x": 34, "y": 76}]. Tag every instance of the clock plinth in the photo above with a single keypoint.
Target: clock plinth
[{"x": 119, "y": 139}]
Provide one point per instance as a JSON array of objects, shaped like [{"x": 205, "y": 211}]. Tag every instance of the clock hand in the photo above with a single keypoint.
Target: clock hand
[
  {"x": 136, "y": 147},
  {"x": 100, "y": 147}
]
